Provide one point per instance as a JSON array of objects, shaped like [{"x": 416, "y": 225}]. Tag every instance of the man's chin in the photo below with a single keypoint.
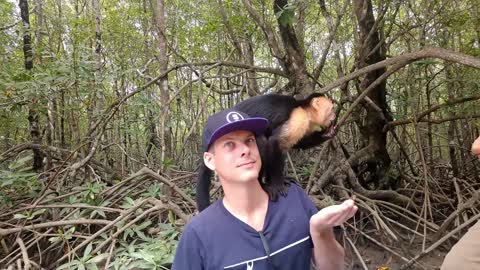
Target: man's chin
[{"x": 249, "y": 176}]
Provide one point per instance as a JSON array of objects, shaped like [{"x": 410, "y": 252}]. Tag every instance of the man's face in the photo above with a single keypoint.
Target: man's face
[
  {"x": 476, "y": 147},
  {"x": 235, "y": 157}
]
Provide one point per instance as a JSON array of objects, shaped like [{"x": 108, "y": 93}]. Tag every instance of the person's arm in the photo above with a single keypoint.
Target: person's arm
[
  {"x": 328, "y": 254},
  {"x": 188, "y": 255}
]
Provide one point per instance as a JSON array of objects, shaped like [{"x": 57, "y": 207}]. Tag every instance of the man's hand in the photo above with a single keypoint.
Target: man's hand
[
  {"x": 476, "y": 147},
  {"x": 327, "y": 252},
  {"x": 331, "y": 216}
]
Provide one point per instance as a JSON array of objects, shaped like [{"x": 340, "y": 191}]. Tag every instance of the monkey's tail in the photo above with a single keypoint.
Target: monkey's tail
[{"x": 202, "y": 195}]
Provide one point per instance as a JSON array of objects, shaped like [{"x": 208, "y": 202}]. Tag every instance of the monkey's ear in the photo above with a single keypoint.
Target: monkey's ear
[{"x": 208, "y": 160}]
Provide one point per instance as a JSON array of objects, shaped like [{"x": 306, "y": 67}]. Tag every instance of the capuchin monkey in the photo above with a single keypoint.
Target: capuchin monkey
[{"x": 292, "y": 123}]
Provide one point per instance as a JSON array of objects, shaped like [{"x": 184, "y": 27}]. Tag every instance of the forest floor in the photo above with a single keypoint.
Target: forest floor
[{"x": 377, "y": 258}]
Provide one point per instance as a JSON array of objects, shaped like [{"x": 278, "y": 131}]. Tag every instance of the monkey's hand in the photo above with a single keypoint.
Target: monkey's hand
[{"x": 331, "y": 216}]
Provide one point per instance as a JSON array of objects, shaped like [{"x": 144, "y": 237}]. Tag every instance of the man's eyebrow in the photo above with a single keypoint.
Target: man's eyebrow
[{"x": 226, "y": 138}]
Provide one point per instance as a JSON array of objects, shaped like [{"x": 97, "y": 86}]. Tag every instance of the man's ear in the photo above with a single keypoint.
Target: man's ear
[{"x": 208, "y": 160}]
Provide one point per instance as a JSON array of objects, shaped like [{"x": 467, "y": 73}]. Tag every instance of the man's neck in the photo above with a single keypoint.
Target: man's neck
[{"x": 247, "y": 201}]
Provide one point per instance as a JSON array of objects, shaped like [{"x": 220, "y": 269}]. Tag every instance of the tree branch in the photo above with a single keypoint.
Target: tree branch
[
  {"x": 4, "y": 232},
  {"x": 332, "y": 27},
  {"x": 419, "y": 117},
  {"x": 406, "y": 59},
  {"x": 276, "y": 50}
]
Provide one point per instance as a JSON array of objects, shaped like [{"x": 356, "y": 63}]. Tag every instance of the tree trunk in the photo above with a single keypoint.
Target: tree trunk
[
  {"x": 428, "y": 93},
  {"x": 294, "y": 60},
  {"x": 96, "y": 98},
  {"x": 33, "y": 118},
  {"x": 51, "y": 103},
  {"x": 163, "y": 82},
  {"x": 27, "y": 38},
  {"x": 150, "y": 113},
  {"x": 375, "y": 151},
  {"x": 39, "y": 27},
  {"x": 62, "y": 119},
  {"x": 244, "y": 47},
  {"x": 248, "y": 58},
  {"x": 451, "y": 130}
]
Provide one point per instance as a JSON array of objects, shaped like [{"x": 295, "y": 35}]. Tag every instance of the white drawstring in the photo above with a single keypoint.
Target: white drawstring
[{"x": 250, "y": 265}]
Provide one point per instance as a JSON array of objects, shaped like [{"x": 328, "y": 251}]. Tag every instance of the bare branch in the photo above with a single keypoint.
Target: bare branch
[
  {"x": 372, "y": 86},
  {"x": 332, "y": 27},
  {"x": 406, "y": 59},
  {"x": 461, "y": 208},
  {"x": 439, "y": 242},
  {"x": 229, "y": 28},
  {"x": 6, "y": 27},
  {"x": 81, "y": 221},
  {"x": 26, "y": 260},
  {"x": 419, "y": 117},
  {"x": 277, "y": 51},
  {"x": 102, "y": 230}
]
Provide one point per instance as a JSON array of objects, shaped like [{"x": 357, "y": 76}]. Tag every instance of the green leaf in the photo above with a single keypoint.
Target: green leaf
[
  {"x": 54, "y": 239},
  {"x": 171, "y": 217},
  {"x": 39, "y": 212},
  {"x": 87, "y": 251},
  {"x": 286, "y": 16},
  {"x": 99, "y": 258},
  {"x": 142, "y": 235},
  {"x": 19, "y": 216},
  {"x": 69, "y": 265},
  {"x": 20, "y": 162},
  {"x": 92, "y": 266},
  {"x": 144, "y": 225}
]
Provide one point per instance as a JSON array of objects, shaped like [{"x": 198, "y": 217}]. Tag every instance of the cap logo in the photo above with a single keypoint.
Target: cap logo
[{"x": 233, "y": 117}]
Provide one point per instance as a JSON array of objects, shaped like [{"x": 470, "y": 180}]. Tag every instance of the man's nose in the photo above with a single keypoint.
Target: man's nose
[{"x": 245, "y": 149}]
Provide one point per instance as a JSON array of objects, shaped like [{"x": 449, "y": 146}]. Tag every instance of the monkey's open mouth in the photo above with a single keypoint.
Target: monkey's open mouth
[{"x": 330, "y": 132}]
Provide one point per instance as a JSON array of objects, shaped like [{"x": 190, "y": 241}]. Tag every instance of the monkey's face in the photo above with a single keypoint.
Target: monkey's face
[
  {"x": 324, "y": 114},
  {"x": 235, "y": 157}
]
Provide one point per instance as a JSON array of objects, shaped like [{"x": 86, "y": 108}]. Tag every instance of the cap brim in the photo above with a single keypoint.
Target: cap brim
[{"x": 256, "y": 125}]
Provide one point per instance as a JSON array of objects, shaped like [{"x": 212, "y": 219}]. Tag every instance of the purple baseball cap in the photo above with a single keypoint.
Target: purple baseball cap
[{"x": 230, "y": 120}]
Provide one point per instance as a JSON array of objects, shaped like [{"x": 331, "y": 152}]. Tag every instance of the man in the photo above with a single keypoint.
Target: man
[
  {"x": 244, "y": 229},
  {"x": 465, "y": 254}
]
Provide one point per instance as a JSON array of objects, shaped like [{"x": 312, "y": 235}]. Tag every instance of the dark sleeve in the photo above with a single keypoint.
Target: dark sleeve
[{"x": 189, "y": 251}]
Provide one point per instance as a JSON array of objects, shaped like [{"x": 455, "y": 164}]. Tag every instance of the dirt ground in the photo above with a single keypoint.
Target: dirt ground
[{"x": 376, "y": 257}]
